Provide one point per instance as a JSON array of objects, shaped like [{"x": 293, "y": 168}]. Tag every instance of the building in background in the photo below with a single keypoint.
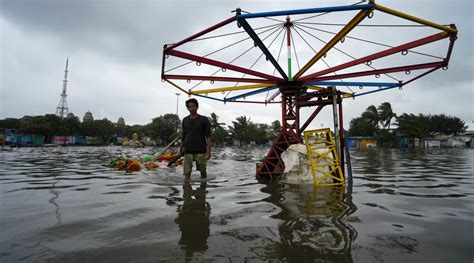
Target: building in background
[{"x": 88, "y": 117}]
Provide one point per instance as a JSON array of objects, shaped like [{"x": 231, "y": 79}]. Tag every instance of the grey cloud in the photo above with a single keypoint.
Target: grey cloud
[{"x": 130, "y": 35}]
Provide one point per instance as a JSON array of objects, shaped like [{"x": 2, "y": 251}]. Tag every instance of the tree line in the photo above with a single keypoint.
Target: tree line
[
  {"x": 166, "y": 127},
  {"x": 374, "y": 122},
  {"x": 161, "y": 129},
  {"x": 377, "y": 122}
]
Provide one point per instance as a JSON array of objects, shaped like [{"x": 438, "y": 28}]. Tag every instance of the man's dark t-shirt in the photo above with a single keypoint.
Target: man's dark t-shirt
[{"x": 195, "y": 132}]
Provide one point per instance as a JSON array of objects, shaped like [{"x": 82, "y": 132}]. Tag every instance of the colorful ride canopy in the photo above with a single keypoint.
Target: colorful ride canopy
[{"x": 361, "y": 49}]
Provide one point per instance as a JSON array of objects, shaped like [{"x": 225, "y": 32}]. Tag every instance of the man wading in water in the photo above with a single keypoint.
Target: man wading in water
[{"x": 196, "y": 141}]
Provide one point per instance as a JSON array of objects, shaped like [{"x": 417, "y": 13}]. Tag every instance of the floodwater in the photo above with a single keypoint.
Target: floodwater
[{"x": 61, "y": 205}]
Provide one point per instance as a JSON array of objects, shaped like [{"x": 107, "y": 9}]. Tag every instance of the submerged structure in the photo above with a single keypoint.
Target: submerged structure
[{"x": 242, "y": 60}]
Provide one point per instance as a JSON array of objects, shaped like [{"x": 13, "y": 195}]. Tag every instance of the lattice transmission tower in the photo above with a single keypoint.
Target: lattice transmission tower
[{"x": 62, "y": 110}]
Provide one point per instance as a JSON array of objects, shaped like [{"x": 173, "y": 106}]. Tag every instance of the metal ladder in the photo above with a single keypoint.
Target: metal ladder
[{"x": 323, "y": 158}]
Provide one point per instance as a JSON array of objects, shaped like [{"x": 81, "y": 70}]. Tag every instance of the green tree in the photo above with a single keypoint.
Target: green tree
[
  {"x": 104, "y": 129},
  {"x": 385, "y": 114},
  {"x": 370, "y": 121},
  {"x": 164, "y": 127},
  {"x": 242, "y": 128},
  {"x": 275, "y": 128},
  {"x": 47, "y": 125},
  {"x": 414, "y": 126},
  {"x": 10, "y": 123},
  {"x": 219, "y": 134},
  {"x": 72, "y": 124},
  {"x": 261, "y": 133},
  {"x": 366, "y": 124},
  {"x": 360, "y": 127},
  {"x": 371, "y": 115},
  {"x": 87, "y": 128},
  {"x": 447, "y": 125},
  {"x": 214, "y": 120}
]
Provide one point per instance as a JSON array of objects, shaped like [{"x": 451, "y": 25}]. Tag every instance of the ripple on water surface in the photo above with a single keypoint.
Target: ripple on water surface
[{"x": 61, "y": 204}]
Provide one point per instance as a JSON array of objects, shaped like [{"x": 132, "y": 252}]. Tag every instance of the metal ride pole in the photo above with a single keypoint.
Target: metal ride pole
[
  {"x": 336, "y": 120},
  {"x": 177, "y": 100},
  {"x": 341, "y": 135}
]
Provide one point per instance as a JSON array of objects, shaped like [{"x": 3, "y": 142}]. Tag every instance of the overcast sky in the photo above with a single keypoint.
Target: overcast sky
[{"x": 115, "y": 50}]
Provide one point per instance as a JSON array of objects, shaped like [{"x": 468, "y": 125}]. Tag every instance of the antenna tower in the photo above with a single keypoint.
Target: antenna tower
[{"x": 62, "y": 110}]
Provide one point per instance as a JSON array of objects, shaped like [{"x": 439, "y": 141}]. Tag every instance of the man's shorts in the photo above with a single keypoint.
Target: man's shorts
[{"x": 199, "y": 158}]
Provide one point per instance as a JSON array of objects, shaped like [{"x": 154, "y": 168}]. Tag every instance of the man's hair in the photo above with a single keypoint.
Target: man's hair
[{"x": 193, "y": 100}]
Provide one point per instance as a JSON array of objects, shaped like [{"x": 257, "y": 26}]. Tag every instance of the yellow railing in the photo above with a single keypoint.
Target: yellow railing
[{"x": 323, "y": 158}]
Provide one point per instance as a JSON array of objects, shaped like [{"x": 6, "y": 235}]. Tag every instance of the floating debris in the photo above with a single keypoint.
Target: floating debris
[{"x": 150, "y": 162}]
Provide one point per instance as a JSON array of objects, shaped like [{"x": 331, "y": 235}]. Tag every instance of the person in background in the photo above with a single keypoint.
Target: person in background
[
  {"x": 2, "y": 140},
  {"x": 196, "y": 141}
]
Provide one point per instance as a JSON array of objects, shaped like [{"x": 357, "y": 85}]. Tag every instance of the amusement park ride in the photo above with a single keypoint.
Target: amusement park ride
[{"x": 374, "y": 49}]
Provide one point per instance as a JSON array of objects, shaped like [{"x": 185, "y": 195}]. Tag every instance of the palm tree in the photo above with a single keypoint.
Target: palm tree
[
  {"x": 360, "y": 127},
  {"x": 371, "y": 115},
  {"x": 214, "y": 120},
  {"x": 242, "y": 129},
  {"x": 219, "y": 134},
  {"x": 386, "y": 114}
]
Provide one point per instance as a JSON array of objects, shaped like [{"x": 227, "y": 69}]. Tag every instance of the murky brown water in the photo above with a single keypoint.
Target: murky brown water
[{"x": 61, "y": 205}]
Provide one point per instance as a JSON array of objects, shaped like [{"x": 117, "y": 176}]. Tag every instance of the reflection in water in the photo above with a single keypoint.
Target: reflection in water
[
  {"x": 314, "y": 222},
  {"x": 193, "y": 219},
  {"x": 53, "y": 200},
  {"x": 58, "y": 205},
  {"x": 348, "y": 196}
]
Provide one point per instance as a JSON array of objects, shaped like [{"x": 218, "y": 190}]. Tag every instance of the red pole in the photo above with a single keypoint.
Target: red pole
[
  {"x": 219, "y": 64},
  {"x": 378, "y": 55},
  {"x": 223, "y": 23},
  {"x": 379, "y": 71},
  {"x": 283, "y": 111},
  {"x": 224, "y": 79}
]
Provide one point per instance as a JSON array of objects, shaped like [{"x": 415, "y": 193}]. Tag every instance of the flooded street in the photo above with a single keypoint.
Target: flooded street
[{"x": 62, "y": 205}]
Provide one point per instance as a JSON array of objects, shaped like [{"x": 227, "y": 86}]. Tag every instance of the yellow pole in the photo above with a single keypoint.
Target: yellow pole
[
  {"x": 318, "y": 88},
  {"x": 344, "y": 31},
  {"x": 415, "y": 19}
]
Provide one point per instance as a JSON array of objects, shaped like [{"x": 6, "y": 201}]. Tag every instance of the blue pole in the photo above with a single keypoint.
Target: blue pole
[
  {"x": 307, "y": 11},
  {"x": 207, "y": 97},
  {"x": 262, "y": 47},
  {"x": 250, "y": 93},
  {"x": 353, "y": 83},
  {"x": 373, "y": 91}
]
